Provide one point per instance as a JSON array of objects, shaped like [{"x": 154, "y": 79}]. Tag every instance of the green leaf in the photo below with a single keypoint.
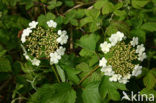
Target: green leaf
[
  {"x": 99, "y": 4},
  {"x": 72, "y": 73},
  {"x": 56, "y": 93},
  {"x": 118, "y": 5},
  {"x": 86, "y": 52},
  {"x": 148, "y": 92},
  {"x": 139, "y": 3},
  {"x": 67, "y": 64},
  {"x": 54, "y": 4},
  {"x": 121, "y": 13},
  {"x": 42, "y": 19},
  {"x": 74, "y": 22},
  {"x": 69, "y": 16},
  {"x": 94, "y": 13},
  {"x": 93, "y": 27},
  {"x": 108, "y": 7},
  {"x": 5, "y": 65},
  {"x": 149, "y": 26},
  {"x": 69, "y": 3},
  {"x": 91, "y": 93},
  {"x": 149, "y": 80},
  {"x": 88, "y": 41},
  {"x": 85, "y": 21},
  {"x": 61, "y": 73},
  {"x": 109, "y": 89}
]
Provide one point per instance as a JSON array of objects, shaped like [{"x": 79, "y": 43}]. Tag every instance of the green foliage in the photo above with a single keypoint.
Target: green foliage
[
  {"x": 91, "y": 93},
  {"x": 55, "y": 93},
  {"x": 109, "y": 89},
  {"x": 88, "y": 23},
  {"x": 5, "y": 65},
  {"x": 88, "y": 41}
]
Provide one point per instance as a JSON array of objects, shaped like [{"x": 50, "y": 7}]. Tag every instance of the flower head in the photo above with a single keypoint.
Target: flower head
[
  {"x": 120, "y": 63},
  {"x": 43, "y": 43}
]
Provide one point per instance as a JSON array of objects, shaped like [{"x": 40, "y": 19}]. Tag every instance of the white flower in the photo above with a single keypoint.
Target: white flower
[
  {"x": 103, "y": 62},
  {"x": 107, "y": 70},
  {"x": 137, "y": 70},
  {"x": 105, "y": 47},
  {"x": 120, "y": 35},
  {"x": 54, "y": 58},
  {"x": 23, "y": 39},
  {"x": 124, "y": 81},
  {"x": 62, "y": 32},
  {"x": 61, "y": 50},
  {"x": 25, "y": 33},
  {"x": 115, "y": 77},
  {"x": 33, "y": 24},
  {"x": 134, "y": 42},
  {"x": 116, "y": 37},
  {"x": 127, "y": 76},
  {"x": 142, "y": 56},
  {"x": 35, "y": 62},
  {"x": 51, "y": 23},
  {"x": 62, "y": 39},
  {"x": 113, "y": 39},
  {"x": 140, "y": 49}
]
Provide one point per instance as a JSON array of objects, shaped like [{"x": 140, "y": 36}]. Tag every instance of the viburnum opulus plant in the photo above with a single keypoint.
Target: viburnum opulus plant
[
  {"x": 121, "y": 58},
  {"x": 38, "y": 43}
]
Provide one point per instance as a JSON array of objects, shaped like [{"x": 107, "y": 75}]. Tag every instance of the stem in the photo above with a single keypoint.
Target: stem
[
  {"x": 54, "y": 70},
  {"x": 89, "y": 74},
  {"x": 44, "y": 8}
]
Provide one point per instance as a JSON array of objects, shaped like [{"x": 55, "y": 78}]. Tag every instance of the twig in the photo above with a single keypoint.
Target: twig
[
  {"x": 89, "y": 74},
  {"x": 79, "y": 5}
]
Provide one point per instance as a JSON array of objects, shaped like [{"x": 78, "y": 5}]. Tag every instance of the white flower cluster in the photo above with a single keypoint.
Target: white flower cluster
[
  {"x": 108, "y": 70},
  {"x": 140, "y": 49},
  {"x": 113, "y": 39},
  {"x": 56, "y": 56},
  {"x": 27, "y": 31},
  {"x": 62, "y": 39},
  {"x": 34, "y": 61}
]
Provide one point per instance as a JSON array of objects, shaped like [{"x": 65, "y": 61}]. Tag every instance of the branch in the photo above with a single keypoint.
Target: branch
[{"x": 89, "y": 74}]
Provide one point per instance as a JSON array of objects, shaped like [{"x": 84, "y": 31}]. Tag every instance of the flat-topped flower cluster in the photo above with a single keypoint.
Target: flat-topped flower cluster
[
  {"x": 121, "y": 59},
  {"x": 38, "y": 42}
]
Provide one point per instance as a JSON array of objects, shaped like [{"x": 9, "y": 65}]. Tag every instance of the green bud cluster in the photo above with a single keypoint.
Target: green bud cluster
[
  {"x": 41, "y": 42},
  {"x": 122, "y": 58}
]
